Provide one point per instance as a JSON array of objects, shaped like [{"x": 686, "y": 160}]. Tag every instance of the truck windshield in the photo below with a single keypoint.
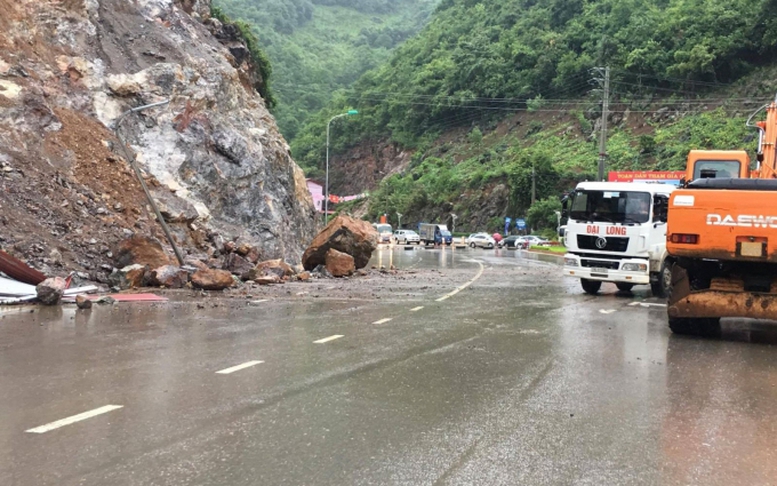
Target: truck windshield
[
  {"x": 715, "y": 169},
  {"x": 611, "y": 206},
  {"x": 383, "y": 228}
]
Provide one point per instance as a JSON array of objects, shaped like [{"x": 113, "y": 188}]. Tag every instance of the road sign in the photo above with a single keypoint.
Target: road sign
[{"x": 520, "y": 224}]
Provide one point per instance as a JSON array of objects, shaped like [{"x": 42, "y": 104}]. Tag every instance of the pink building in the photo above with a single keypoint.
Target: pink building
[{"x": 317, "y": 192}]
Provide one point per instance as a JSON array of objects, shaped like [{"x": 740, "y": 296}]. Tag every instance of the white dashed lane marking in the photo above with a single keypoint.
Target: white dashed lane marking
[
  {"x": 73, "y": 419},
  {"x": 382, "y": 321},
  {"x": 606, "y": 311},
  {"x": 416, "y": 309},
  {"x": 327, "y": 339},
  {"x": 239, "y": 367},
  {"x": 459, "y": 289}
]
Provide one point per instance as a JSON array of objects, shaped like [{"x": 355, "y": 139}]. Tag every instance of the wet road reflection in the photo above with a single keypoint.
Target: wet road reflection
[{"x": 518, "y": 379}]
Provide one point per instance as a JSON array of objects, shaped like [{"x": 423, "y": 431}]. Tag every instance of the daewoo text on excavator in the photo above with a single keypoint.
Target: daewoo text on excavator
[{"x": 722, "y": 235}]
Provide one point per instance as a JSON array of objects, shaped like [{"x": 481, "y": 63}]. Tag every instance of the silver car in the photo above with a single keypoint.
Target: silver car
[
  {"x": 481, "y": 240},
  {"x": 405, "y": 237},
  {"x": 537, "y": 240}
]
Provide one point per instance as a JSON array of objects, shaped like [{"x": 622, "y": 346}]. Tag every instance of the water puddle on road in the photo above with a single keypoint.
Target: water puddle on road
[{"x": 415, "y": 256}]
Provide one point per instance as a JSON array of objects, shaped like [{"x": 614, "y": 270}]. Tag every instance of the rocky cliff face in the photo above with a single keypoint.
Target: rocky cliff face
[
  {"x": 365, "y": 165},
  {"x": 214, "y": 157}
]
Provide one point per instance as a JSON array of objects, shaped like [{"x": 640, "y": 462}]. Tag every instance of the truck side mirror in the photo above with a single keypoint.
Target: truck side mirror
[
  {"x": 660, "y": 208},
  {"x": 564, "y": 208}
]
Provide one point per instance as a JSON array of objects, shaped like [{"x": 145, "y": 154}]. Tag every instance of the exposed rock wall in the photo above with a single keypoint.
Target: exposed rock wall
[
  {"x": 364, "y": 166},
  {"x": 213, "y": 155}
]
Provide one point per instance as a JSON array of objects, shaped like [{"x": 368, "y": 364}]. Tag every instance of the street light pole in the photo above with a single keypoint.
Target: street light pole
[
  {"x": 326, "y": 184},
  {"x": 453, "y": 217},
  {"x": 399, "y": 222}
]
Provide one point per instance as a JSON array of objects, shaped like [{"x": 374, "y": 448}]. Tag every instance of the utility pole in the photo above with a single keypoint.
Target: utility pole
[
  {"x": 134, "y": 164},
  {"x": 533, "y": 183},
  {"x": 604, "y": 82},
  {"x": 326, "y": 184}
]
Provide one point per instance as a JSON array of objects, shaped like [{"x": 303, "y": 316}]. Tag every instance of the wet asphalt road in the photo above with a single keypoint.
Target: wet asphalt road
[{"x": 518, "y": 378}]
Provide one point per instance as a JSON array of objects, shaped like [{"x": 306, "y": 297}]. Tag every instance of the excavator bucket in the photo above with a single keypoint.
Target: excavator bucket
[{"x": 724, "y": 298}]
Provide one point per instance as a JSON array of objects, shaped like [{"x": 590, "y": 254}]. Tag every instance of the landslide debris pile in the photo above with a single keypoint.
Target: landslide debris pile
[{"x": 213, "y": 157}]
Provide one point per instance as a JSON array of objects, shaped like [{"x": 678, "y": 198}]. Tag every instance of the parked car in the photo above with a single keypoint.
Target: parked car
[
  {"x": 537, "y": 240},
  {"x": 473, "y": 235},
  {"x": 404, "y": 237},
  {"x": 482, "y": 240},
  {"x": 513, "y": 241}
]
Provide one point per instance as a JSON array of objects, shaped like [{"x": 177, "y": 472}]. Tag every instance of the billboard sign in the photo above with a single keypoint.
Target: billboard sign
[{"x": 656, "y": 176}]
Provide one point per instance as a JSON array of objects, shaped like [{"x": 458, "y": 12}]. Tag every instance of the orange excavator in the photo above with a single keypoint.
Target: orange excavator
[{"x": 722, "y": 235}]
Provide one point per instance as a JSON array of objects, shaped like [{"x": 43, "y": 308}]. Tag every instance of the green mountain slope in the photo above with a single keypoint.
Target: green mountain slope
[
  {"x": 319, "y": 46},
  {"x": 478, "y": 64}
]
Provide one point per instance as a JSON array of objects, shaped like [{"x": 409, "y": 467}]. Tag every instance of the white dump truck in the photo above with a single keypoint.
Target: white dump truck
[{"x": 616, "y": 232}]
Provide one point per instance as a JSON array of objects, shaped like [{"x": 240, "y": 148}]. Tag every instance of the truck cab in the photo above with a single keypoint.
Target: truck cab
[
  {"x": 436, "y": 234},
  {"x": 384, "y": 232},
  {"x": 616, "y": 232}
]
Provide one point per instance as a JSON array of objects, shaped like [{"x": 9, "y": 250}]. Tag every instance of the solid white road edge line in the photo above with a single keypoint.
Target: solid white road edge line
[
  {"x": 239, "y": 367},
  {"x": 382, "y": 321},
  {"x": 327, "y": 339},
  {"x": 416, "y": 309},
  {"x": 73, "y": 419},
  {"x": 459, "y": 289}
]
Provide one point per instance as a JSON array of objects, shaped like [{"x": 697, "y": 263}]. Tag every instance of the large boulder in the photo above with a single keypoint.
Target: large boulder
[
  {"x": 128, "y": 277},
  {"x": 50, "y": 291},
  {"x": 277, "y": 268},
  {"x": 212, "y": 279},
  {"x": 236, "y": 264},
  {"x": 339, "y": 264},
  {"x": 140, "y": 250},
  {"x": 168, "y": 276},
  {"x": 344, "y": 234}
]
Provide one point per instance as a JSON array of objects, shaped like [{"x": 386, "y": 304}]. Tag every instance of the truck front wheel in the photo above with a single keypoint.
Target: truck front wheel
[
  {"x": 660, "y": 288},
  {"x": 591, "y": 286},
  {"x": 624, "y": 287}
]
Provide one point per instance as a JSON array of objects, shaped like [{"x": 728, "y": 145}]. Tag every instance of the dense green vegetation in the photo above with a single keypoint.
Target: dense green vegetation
[
  {"x": 319, "y": 46},
  {"x": 478, "y": 62},
  {"x": 496, "y": 57}
]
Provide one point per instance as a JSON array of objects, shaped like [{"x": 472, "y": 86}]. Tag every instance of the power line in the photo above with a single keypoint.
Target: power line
[{"x": 667, "y": 78}]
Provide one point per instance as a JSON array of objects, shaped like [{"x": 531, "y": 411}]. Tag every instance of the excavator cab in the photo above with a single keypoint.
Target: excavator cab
[{"x": 717, "y": 164}]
